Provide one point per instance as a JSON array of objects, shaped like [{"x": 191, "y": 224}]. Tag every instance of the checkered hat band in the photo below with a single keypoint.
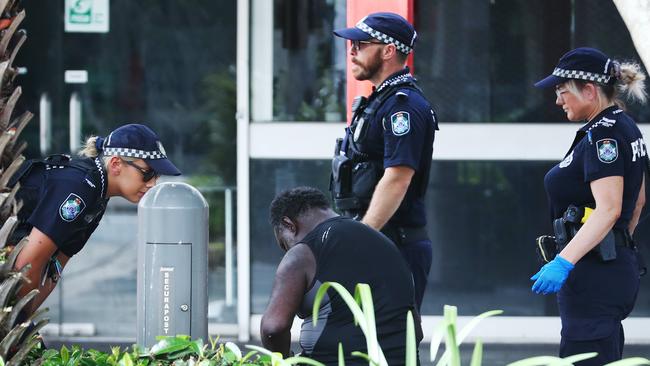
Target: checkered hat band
[
  {"x": 133, "y": 153},
  {"x": 384, "y": 38},
  {"x": 582, "y": 75}
]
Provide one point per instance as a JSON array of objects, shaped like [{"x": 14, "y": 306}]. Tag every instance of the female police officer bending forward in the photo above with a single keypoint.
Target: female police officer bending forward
[
  {"x": 64, "y": 199},
  {"x": 604, "y": 170}
]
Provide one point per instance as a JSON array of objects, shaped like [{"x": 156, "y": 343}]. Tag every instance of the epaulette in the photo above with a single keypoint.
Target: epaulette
[
  {"x": 402, "y": 94},
  {"x": 604, "y": 122}
]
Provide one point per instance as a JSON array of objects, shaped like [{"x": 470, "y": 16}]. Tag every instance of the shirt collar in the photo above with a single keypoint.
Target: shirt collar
[
  {"x": 102, "y": 176},
  {"x": 395, "y": 78}
]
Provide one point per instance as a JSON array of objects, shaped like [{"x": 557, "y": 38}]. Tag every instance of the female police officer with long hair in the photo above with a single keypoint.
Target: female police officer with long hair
[
  {"x": 603, "y": 171},
  {"x": 64, "y": 198}
]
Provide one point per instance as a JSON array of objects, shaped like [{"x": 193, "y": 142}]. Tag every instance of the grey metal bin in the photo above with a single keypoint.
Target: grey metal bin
[{"x": 172, "y": 263}]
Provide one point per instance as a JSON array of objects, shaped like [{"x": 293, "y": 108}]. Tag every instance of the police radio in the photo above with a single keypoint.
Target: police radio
[{"x": 358, "y": 121}]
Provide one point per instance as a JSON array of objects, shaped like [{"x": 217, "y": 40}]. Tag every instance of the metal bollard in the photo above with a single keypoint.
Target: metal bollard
[{"x": 172, "y": 263}]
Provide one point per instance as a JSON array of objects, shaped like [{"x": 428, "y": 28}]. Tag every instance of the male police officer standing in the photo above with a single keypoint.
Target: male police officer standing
[{"x": 381, "y": 168}]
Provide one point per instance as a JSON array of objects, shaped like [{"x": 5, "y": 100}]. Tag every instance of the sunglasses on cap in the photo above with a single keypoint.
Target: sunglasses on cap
[{"x": 147, "y": 174}]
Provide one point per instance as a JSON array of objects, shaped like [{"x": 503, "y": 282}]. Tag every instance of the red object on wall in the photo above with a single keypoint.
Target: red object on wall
[{"x": 356, "y": 10}]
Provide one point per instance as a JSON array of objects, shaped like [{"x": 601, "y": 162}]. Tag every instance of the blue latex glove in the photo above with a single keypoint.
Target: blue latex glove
[{"x": 551, "y": 277}]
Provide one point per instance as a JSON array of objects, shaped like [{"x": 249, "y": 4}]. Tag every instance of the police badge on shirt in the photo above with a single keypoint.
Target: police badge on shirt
[
  {"x": 71, "y": 207},
  {"x": 607, "y": 150},
  {"x": 400, "y": 123}
]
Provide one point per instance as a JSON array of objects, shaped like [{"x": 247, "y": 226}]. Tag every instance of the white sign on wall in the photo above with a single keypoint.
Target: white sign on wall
[
  {"x": 76, "y": 76},
  {"x": 86, "y": 16}
]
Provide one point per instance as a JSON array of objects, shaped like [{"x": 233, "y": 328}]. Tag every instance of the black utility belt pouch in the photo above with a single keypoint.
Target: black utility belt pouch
[
  {"x": 565, "y": 228},
  {"x": 606, "y": 249},
  {"x": 341, "y": 172},
  {"x": 546, "y": 248},
  {"x": 341, "y": 182},
  {"x": 365, "y": 176},
  {"x": 572, "y": 219}
]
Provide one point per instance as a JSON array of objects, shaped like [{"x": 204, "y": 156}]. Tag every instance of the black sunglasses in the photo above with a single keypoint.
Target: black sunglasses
[
  {"x": 147, "y": 174},
  {"x": 356, "y": 45}
]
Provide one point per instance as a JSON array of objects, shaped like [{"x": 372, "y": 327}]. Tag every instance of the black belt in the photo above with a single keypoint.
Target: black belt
[
  {"x": 404, "y": 234},
  {"x": 622, "y": 238}
]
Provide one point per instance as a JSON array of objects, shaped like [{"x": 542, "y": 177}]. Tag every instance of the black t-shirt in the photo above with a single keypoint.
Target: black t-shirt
[
  {"x": 608, "y": 145},
  {"x": 349, "y": 252},
  {"x": 65, "y": 203}
]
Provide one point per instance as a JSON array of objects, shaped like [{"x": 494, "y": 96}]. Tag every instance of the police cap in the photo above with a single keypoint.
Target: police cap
[
  {"x": 137, "y": 141},
  {"x": 389, "y": 28},
  {"x": 583, "y": 63}
]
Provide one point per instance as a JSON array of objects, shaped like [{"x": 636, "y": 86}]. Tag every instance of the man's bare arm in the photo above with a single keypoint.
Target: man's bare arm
[
  {"x": 294, "y": 275},
  {"x": 389, "y": 193}
]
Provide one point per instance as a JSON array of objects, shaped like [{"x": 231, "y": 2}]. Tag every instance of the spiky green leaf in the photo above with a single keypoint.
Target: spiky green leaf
[
  {"x": 436, "y": 339},
  {"x": 632, "y": 361},
  {"x": 536, "y": 361},
  {"x": 297, "y": 360},
  {"x": 365, "y": 357},
  {"x": 411, "y": 344},
  {"x": 477, "y": 354}
]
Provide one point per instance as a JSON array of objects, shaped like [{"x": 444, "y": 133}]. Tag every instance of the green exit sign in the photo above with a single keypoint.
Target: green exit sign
[{"x": 90, "y": 16}]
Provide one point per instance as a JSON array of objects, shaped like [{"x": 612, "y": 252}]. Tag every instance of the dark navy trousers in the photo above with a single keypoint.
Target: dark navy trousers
[
  {"x": 418, "y": 255},
  {"x": 596, "y": 297}
]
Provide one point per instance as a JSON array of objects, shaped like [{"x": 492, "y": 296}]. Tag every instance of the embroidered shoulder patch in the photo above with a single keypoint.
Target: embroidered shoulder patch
[
  {"x": 71, "y": 207},
  {"x": 567, "y": 161},
  {"x": 400, "y": 123},
  {"x": 607, "y": 150}
]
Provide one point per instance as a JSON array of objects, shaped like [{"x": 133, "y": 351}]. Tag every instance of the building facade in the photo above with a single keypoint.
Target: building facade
[
  {"x": 254, "y": 93},
  {"x": 476, "y": 62}
]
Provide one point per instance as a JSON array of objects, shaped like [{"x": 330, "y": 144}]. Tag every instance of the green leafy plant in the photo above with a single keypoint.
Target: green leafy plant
[
  {"x": 570, "y": 360},
  {"x": 364, "y": 317},
  {"x": 362, "y": 309},
  {"x": 447, "y": 329},
  {"x": 453, "y": 340},
  {"x": 182, "y": 351}
]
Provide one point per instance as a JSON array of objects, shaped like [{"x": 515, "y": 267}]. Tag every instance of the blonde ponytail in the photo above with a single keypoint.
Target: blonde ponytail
[
  {"x": 89, "y": 150},
  {"x": 631, "y": 82}
]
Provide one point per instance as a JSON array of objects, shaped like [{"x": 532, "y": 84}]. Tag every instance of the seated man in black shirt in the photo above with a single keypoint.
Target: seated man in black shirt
[{"x": 321, "y": 246}]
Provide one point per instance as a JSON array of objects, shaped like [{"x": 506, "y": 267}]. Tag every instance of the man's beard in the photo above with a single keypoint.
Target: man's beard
[{"x": 370, "y": 69}]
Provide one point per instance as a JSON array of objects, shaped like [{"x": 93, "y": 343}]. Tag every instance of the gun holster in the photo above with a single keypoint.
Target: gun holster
[
  {"x": 606, "y": 249},
  {"x": 341, "y": 184},
  {"x": 567, "y": 226}
]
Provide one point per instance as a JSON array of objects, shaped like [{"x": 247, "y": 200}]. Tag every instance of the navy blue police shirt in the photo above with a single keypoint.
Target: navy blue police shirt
[
  {"x": 402, "y": 131},
  {"x": 63, "y": 202},
  {"x": 608, "y": 145}
]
